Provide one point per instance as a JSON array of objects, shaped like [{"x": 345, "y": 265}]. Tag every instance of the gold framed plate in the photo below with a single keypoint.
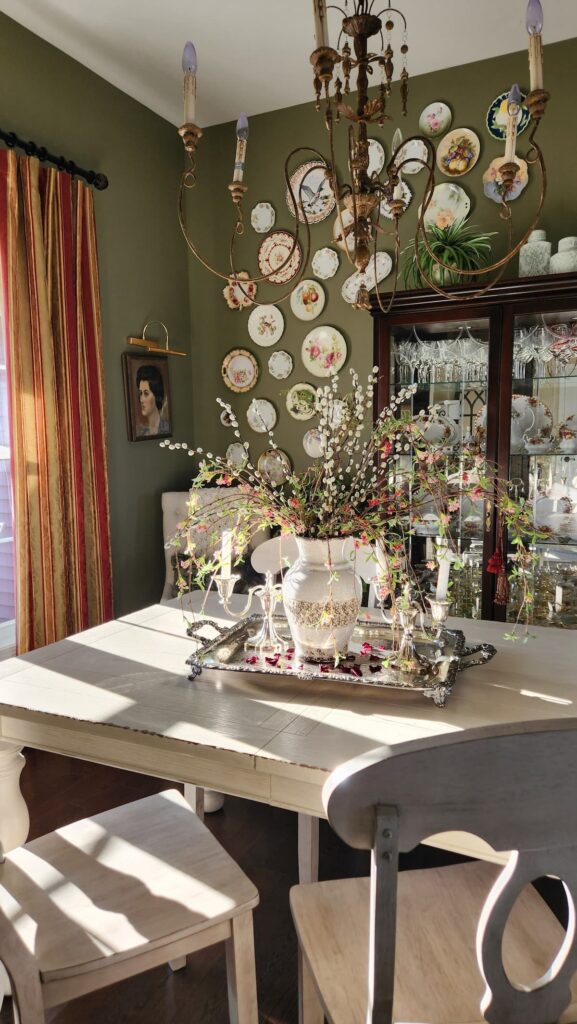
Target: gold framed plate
[
  {"x": 458, "y": 152},
  {"x": 239, "y": 370}
]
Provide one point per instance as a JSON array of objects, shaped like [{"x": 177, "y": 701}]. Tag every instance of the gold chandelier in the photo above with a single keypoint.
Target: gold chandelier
[{"x": 359, "y": 200}]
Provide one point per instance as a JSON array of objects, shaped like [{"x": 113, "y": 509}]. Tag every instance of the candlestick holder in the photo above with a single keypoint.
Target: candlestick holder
[
  {"x": 439, "y": 614},
  {"x": 267, "y": 638}
]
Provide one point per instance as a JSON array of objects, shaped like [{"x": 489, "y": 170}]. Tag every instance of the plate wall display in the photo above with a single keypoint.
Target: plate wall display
[
  {"x": 274, "y": 465},
  {"x": 384, "y": 265},
  {"x": 316, "y": 198},
  {"x": 435, "y": 119},
  {"x": 280, "y": 365},
  {"x": 449, "y": 203},
  {"x": 458, "y": 152},
  {"x": 265, "y": 325},
  {"x": 300, "y": 401},
  {"x": 497, "y": 117},
  {"x": 325, "y": 263},
  {"x": 236, "y": 455},
  {"x": 313, "y": 443},
  {"x": 348, "y": 242},
  {"x": 492, "y": 180},
  {"x": 308, "y": 300},
  {"x": 239, "y": 296},
  {"x": 415, "y": 153},
  {"x": 239, "y": 370},
  {"x": 261, "y": 415},
  {"x": 324, "y": 351},
  {"x": 263, "y": 217},
  {"x": 406, "y": 197},
  {"x": 273, "y": 257},
  {"x": 376, "y": 157}
]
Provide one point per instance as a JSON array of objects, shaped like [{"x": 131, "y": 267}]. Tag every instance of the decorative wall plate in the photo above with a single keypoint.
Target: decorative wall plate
[
  {"x": 348, "y": 242},
  {"x": 274, "y": 253},
  {"x": 236, "y": 455},
  {"x": 300, "y": 401},
  {"x": 316, "y": 198},
  {"x": 263, "y": 217},
  {"x": 239, "y": 370},
  {"x": 325, "y": 263},
  {"x": 376, "y": 157},
  {"x": 265, "y": 325},
  {"x": 435, "y": 119},
  {"x": 280, "y": 365},
  {"x": 274, "y": 465},
  {"x": 324, "y": 351},
  {"x": 530, "y": 418},
  {"x": 225, "y": 418},
  {"x": 384, "y": 265},
  {"x": 238, "y": 297},
  {"x": 492, "y": 180},
  {"x": 449, "y": 203},
  {"x": 308, "y": 300},
  {"x": 458, "y": 152},
  {"x": 407, "y": 196},
  {"x": 261, "y": 415},
  {"x": 313, "y": 443},
  {"x": 415, "y": 153},
  {"x": 497, "y": 117}
]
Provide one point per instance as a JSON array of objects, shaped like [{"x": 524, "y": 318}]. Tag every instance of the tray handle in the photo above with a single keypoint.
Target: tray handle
[{"x": 480, "y": 653}]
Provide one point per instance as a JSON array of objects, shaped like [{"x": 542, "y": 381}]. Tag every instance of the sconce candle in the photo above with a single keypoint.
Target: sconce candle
[
  {"x": 321, "y": 27},
  {"x": 513, "y": 107},
  {"x": 397, "y": 143},
  {"x": 189, "y": 66},
  {"x": 444, "y": 559},
  {"x": 241, "y": 141},
  {"x": 534, "y": 28},
  {"x": 226, "y": 554}
]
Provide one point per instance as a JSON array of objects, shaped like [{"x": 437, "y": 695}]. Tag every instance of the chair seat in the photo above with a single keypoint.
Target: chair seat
[
  {"x": 103, "y": 889},
  {"x": 437, "y": 914}
]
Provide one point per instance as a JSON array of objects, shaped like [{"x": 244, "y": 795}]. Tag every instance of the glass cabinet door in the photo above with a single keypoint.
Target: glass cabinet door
[
  {"x": 448, "y": 362},
  {"x": 543, "y": 460}
]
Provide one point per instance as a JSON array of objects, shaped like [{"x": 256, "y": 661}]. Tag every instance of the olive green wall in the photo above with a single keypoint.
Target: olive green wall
[
  {"x": 469, "y": 91},
  {"x": 46, "y": 96}
]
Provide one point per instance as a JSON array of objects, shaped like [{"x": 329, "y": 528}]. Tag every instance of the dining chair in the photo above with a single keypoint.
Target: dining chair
[
  {"x": 116, "y": 894},
  {"x": 471, "y": 942}
]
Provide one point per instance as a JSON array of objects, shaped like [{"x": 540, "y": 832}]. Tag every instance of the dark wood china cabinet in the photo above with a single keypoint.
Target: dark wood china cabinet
[{"x": 503, "y": 370}]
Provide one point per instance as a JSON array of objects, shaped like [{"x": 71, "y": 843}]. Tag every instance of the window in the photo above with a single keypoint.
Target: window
[{"x": 7, "y": 605}]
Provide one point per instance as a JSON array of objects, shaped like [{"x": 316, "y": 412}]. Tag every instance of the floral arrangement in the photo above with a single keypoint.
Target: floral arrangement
[{"x": 372, "y": 483}]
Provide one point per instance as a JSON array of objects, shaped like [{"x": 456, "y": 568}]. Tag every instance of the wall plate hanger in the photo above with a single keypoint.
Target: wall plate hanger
[{"x": 153, "y": 346}]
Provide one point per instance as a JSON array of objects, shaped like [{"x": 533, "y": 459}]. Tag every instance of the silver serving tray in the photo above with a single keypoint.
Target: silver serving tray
[{"x": 448, "y": 654}]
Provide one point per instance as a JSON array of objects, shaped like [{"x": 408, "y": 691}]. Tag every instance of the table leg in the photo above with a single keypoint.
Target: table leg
[
  {"x": 194, "y": 795},
  {"x": 308, "y": 830},
  {"x": 14, "y": 818}
]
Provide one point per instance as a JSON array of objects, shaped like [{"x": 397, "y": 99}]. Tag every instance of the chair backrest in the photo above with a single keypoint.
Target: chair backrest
[{"x": 513, "y": 785}]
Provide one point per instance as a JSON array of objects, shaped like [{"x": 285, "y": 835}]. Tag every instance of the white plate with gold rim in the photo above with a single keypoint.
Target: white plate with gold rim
[
  {"x": 265, "y": 325},
  {"x": 313, "y": 443},
  {"x": 263, "y": 217},
  {"x": 300, "y": 401},
  {"x": 308, "y": 300},
  {"x": 261, "y": 415},
  {"x": 406, "y": 197},
  {"x": 325, "y": 263},
  {"x": 280, "y": 364},
  {"x": 324, "y": 351},
  {"x": 312, "y": 191}
]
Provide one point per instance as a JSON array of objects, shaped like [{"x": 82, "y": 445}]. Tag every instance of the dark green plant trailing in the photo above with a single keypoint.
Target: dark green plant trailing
[{"x": 460, "y": 245}]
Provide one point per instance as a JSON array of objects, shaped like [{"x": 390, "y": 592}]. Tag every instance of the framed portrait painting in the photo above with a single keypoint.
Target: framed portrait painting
[{"x": 147, "y": 396}]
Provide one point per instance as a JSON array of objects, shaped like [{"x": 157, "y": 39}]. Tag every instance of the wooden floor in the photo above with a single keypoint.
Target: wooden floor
[{"x": 262, "y": 839}]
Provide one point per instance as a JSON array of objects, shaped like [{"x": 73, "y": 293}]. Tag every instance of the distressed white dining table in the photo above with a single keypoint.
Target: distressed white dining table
[{"x": 119, "y": 694}]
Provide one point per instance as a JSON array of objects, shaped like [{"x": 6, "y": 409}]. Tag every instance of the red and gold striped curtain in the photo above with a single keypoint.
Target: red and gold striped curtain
[{"x": 53, "y": 339}]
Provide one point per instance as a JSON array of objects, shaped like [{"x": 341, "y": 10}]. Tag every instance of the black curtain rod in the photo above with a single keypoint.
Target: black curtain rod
[{"x": 99, "y": 181}]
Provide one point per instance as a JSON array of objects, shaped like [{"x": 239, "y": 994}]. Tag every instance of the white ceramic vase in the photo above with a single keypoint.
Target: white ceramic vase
[
  {"x": 535, "y": 255},
  {"x": 565, "y": 260},
  {"x": 322, "y": 596}
]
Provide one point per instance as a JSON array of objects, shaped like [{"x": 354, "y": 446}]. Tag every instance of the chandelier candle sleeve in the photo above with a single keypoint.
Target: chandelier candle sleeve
[
  {"x": 534, "y": 28},
  {"x": 397, "y": 143},
  {"x": 513, "y": 106},
  {"x": 241, "y": 142},
  {"x": 444, "y": 560},
  {"x": 189, "y": 66},
  {"x": 321, "y": 28}
]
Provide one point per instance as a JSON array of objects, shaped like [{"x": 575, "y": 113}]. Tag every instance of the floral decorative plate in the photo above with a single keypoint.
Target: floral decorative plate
[
  {"x": 313, "y": 192},
  {"x": 239, "y": 370},
  {"x": 325, "y": 263},
  {"x": 239, "y": 296},
  {"x": 497, "y": 117},
  {"x": 406, "y": 197},
  {"x": 324, "y": 351},
  {"x": 280, "y": 257},
  {"x": 274, "y": 465},
  {"x": 280, "y": 365},
  {"x": 435, "y": 119},
  {"x": 376, "y": 157},
  {"x": 384, "y": 265},
  {"x": 313, "y": 443},
  {"x": 492, "y": 180},
  {"x": 308, "y": 300},
  {"x": 236, "y": 455},
  {"x": 415, "y": 153},
  {"x": 262, "y": 217},
  {"x": 458, "y": 152},
  {"x": 348, "y": 242},
  {"x": 265, "y": 325},
  {"x": 449, "y": 203},
  {"x": 300, "y": 401},
  {"x": 530, "y": 418},
  {"x": 261, "y": 415}
]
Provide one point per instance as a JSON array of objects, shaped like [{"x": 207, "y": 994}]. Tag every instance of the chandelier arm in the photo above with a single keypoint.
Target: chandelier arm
[
  {"x": 336, "y": 191},
  {"x": 397, "y": 254},
  {"x": 393, "y": 10}
]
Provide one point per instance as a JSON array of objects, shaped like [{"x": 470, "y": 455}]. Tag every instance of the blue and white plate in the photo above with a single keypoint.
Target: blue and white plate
[{"x": 497, "y": 117}]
